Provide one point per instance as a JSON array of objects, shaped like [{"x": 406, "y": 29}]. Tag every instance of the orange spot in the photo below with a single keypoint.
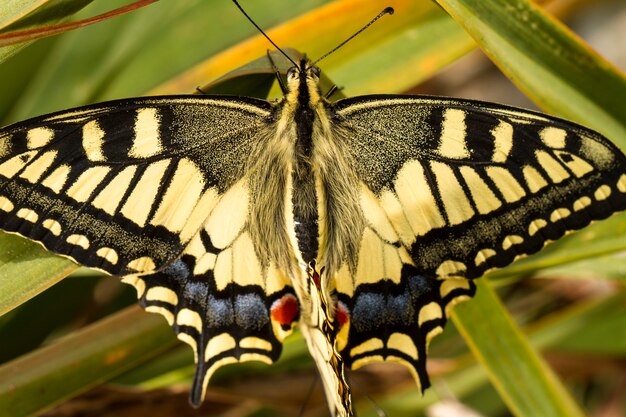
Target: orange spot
[
  {"x": 342, "y": 315},
  {"x": 115, "y": 356},
  {"x": 285, "y": 310}
]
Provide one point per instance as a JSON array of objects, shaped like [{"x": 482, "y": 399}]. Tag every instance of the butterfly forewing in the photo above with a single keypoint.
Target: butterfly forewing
[
  {"x": 469, "y": 186},
  {"x": 124, "y": 186}
]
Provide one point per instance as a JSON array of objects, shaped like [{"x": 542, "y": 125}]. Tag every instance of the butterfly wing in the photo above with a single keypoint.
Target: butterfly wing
[
  {"x": 450, "y": 190},
  {"x": 154, "y": 190}
]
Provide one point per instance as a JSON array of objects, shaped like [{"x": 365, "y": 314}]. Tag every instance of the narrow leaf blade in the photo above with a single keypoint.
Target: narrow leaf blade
[
  {"x": 524, "y": 381},
  {"x": 26, "y": 269},
  {"x": 80, "y": 361}
]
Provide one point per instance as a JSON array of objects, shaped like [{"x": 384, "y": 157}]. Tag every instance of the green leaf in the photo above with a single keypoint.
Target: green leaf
[
  {"x": 255, "y": 78},
  {"x": 394, "y": 55},
  {"x": 26, "y": 35},
  {"x": 593, "y": 326},
  {"x": 545, "y": 60},
  {"x": 80, "y": 361},
  {"x": 523, "y": 380},
  {"x": 26, "y": 269},
  {"x": 608, "y": 267},
  {"x": 24, "y": 14},
  {"x": 46, "y": 316},
  {"x": 405, "y": 57},
  {"x": 27, "y": 14},
  {"x": 605, "y": 338},
  {"x": 13, "y": 11}
]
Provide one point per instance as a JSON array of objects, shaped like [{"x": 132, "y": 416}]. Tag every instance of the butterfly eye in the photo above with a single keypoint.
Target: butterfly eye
[
  {"x": 316, "y": 71},
  {"x": 291, "y": 72}
]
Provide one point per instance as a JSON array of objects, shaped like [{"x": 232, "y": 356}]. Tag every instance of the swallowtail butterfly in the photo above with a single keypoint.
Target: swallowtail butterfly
[{"x": 362, "y": 220}]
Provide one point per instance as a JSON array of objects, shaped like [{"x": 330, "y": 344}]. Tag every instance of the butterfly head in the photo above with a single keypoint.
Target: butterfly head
[{"x": 303, "y": 75}]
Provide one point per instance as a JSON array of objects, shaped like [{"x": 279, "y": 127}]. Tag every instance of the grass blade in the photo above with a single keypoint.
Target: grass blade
[
  {"x": 26, "y": 269},
  {"x": 16, "y": 37},
  {"x": 524, "y": 381},
  {"x": 31, "y": 14},
  {"x": 80, "y": 361}
]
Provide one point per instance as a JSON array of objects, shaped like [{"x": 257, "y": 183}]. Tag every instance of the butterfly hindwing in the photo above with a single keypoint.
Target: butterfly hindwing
[
  {"x": 222, "y": 303},
  {"x": 395, "y": 321},
  {"x": 451, "y": 189}
]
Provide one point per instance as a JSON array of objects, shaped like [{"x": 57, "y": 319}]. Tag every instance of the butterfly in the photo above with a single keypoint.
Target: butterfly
[{"x": 363, "y": 220}]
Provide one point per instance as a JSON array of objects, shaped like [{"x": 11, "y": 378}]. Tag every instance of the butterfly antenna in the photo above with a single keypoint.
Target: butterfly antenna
[
  {"x": 388, "y": 10},
  {"x": 264, "y": 34}
]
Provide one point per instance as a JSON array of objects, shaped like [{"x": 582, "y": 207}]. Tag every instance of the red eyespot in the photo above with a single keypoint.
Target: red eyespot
[
  {"x": 342, "y": 315},
  {"x": 285, "y": 310}
]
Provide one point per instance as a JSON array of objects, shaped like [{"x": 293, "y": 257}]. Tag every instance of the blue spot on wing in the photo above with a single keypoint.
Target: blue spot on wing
[
  {"x": 368, "y": 311},
  {"x": 196, "y": 292},
  {"x": 250, "y": 311},
  {"x": 219, "y": 313},
  {"x": 400, "y": 309},
  {"x": 247, "y": 311},
  {"x": 178, "y": 270},
  {"x": 379, "y": 307}
]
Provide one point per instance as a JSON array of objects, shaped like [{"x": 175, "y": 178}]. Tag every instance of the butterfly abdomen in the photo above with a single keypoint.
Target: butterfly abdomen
[{"x": 305, "y": 215}]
